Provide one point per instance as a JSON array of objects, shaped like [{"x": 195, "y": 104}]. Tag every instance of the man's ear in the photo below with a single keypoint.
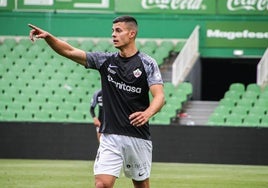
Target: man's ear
[{"x": 132, "y": 33}]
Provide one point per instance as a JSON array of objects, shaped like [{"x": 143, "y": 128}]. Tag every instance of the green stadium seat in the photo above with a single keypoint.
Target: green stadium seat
[
  {"x": 87, "y": 45},
  {"x": 250, "y": 95},
  {"x": 162, "y": 52},
  {"x": 172, "y": 107},
  {"x": 50, "y": 107},
  {"x": 59, "y": 116},
  {"x": 246, "y": 102},
  {"x": 234, "y": 120},
  {"x": 253, "y": 87},
  {"x": 79, "y": 117},
  {"x": 222, "y": 110},
  {"x": 138, "y": 44},
  {"x": 186, "y": 88},
  {"x": 102, "y": 45},
  {"x": 12, "y": 91},
  {"x": 57, "y": 78},
  {"x": 10, "y": 42},
  {"x": 252, "y": 120},
  {"x": 19, "y": 51},
  {"x": 179, "y": 46},
  {"x": 227, "y": 102},
  {"x": 257, "y": 110},
  {"x": 30, "y": 55},
  {"x": 22, "y": 98},
  {"x": 26, "y": 42},
  {"x": 14, "y": 107},
  {"x": 161, "y": 118},
  {"x": 216, "y": 119},
  {"x": 240, "y": 110},
  {"x": 73, "y": 42},
  {"x": 262, "y": 102},
  {"x": 56, "y": 99},
  {"x": 42, "y": 116},
  {"x": 150, "y": 44},
  {"x": 265, "y": 89},
  {"x": 45, "y": 56},
  {"x": 168, "y": 89},
  {"x": 159, "y": 58},
  {"x": 148, "y": 50},
  {"x": 264, "y": 121},
  {"x": 169, "y": 45},
  {"x": 112, "y": 49},
  {"x": 23, "y": 116},
  {"x": 40, "y": 44},
  {"x": 35, "y": 50},
  {"x": 233, "y": 95},
  {"x": 239, "y": 87},
  {"x": 264, "y": 94},
  {"x": 5, "y": 98},
  {"x": 4, "y": 50}
]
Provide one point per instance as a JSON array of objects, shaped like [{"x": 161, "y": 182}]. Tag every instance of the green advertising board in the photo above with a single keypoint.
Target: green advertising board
[
  {"x": 236, "y": 34},
  {"x": 166, "y": 7},
  {"x": 246, "y": 7},
  {"x": 194, "y": 7},
  {"x": 66, "y": 5},
  {"x": 7, "y": 5},
  {"x": 221, "y": 7}
]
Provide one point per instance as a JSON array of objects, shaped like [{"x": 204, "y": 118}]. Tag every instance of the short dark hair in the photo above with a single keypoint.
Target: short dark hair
[{"x": 126, "y": 19}]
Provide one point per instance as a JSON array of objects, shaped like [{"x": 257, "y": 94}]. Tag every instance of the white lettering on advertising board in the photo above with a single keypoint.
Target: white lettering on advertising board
[
  {"x": 248, "y": 5},
  {"x": 172, "y": 4},
  {"x": 232, "y": 35}
]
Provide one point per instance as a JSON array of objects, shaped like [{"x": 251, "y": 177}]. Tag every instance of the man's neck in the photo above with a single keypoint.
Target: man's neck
[{"x": 128, "y": 51}]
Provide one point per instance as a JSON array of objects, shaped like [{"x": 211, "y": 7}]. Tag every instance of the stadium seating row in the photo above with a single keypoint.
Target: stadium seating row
[
  {"x": 175, "y": 98},
  {"x": 39, "y": 85},
  {"x": 242, "y": 106},
  {"x": 23, "y": 48}
]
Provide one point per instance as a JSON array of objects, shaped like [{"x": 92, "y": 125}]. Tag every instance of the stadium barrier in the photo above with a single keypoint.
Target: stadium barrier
[
  {"x": 262, "y": 70},
  {"x": 186, "y": 58},
  {"x": 183, "y": 144}
]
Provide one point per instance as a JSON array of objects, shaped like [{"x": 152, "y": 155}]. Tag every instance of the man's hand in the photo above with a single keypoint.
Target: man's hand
[
  {"x": 96, "y": 122},
  {"x": 37, "y": 32},
  {"x": 138, "y": 118}
]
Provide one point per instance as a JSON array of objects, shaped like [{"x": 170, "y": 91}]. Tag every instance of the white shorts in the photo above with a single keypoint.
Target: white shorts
[{"x": 117, "y": 151}]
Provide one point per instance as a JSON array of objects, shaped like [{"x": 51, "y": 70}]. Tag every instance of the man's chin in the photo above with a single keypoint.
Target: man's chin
[{"x": 117, "y": 47}]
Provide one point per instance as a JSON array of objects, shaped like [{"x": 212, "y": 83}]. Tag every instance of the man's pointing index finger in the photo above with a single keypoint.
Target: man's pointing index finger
[{"x": 32, "y": 26}]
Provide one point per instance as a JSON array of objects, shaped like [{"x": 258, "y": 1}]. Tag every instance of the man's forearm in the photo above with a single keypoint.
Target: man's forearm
[{"x": 59, "y": 46}]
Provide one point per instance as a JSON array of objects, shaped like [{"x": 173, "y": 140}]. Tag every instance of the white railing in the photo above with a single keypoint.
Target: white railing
[
  {"x": 262, "y": 70},
  {"x": 186, "y": 58}
]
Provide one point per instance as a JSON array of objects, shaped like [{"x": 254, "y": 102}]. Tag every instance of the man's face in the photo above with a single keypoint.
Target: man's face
[{"x": 121, "y": 34}]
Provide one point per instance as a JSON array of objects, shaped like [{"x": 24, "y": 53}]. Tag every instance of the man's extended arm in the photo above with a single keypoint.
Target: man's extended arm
[{"x": 59, "y": 46}]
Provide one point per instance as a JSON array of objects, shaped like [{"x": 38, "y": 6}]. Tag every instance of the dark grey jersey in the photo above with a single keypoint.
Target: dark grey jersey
[{"x": 125, "y": 86}]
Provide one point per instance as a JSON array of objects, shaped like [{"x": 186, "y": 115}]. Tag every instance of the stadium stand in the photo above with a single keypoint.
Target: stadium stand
[
  {"x": 39, "y": 85},
  {"x": 242, "y": 106}
]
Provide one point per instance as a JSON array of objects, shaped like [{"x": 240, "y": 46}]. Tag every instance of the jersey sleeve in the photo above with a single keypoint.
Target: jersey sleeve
[
  {"x": 94, "y": 60},
  {"x": 152, "y": 70}
]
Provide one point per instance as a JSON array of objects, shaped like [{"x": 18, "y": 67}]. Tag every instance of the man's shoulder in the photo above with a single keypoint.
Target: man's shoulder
[{"x": 146, "y": 59}]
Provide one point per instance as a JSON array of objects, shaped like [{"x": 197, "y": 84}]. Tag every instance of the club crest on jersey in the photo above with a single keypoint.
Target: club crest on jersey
[{"x": 137, "y": 73}]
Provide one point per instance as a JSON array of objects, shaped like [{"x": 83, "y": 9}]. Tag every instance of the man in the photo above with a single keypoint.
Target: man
[
  {"x": 126, "y": 76},
  {"x": 96, "y": 100}
]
